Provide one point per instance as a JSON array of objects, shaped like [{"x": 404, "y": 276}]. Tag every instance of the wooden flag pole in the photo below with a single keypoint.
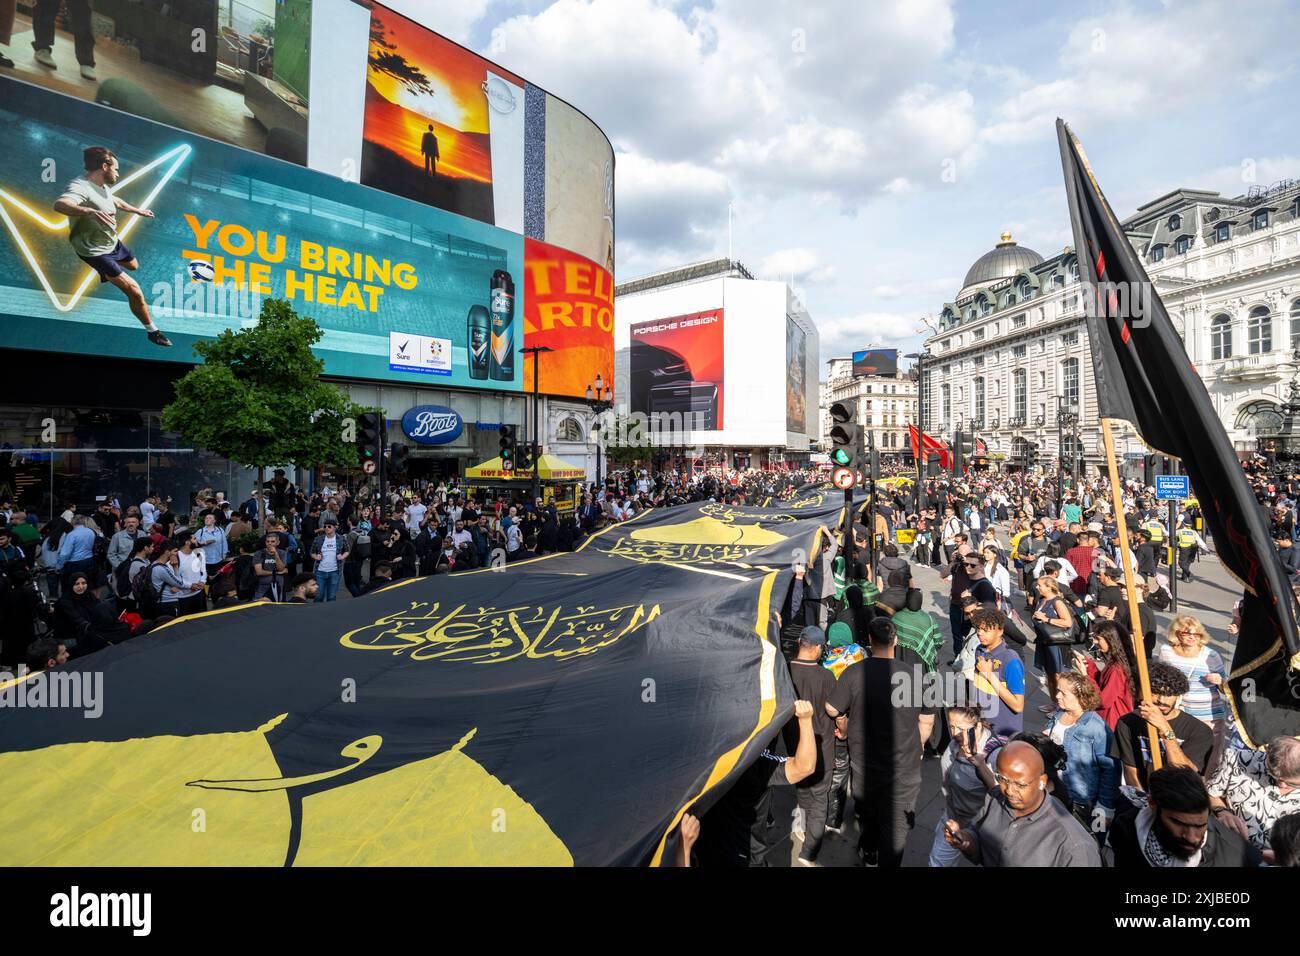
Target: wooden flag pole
[{"x": 1126, "y": 562}]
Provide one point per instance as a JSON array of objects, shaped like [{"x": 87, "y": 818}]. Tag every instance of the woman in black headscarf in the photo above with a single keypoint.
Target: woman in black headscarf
[{"x": 83, "y": 623}]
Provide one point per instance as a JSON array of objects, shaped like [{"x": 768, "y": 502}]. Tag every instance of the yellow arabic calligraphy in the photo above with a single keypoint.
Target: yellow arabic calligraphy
[
  {"x": 495, "y": 635},
  {"x": 648, "y": 553},
  {"x": 728, "y": 514},
  {"x": 359, "y": 751},
  {"x": 811, "y": 502}
]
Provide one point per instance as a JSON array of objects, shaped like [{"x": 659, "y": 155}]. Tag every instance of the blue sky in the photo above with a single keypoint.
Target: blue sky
[{"x": 830, "y": 125}]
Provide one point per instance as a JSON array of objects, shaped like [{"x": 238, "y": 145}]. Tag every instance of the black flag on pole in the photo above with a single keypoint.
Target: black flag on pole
[{"x": 1144, "y": 376}]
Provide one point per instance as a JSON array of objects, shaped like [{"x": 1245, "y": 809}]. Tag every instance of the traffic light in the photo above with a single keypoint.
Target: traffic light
[
  {"x": 931, "y": 464},
  {"x": 397, "y": 455},
  {"x": 846, "y": 436},
  {"x": 369, "y": 437},
  {"x": 1153, "y": 465},
  {"x": 507, "y": 442},
  {"x": 963, "y": 449},
  {"x": 525, "y": 459}
]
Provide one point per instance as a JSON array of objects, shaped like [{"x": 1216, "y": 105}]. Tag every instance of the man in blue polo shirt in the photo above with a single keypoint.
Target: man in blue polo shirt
[
  {"x": 999, "y": 675},
  {"x": 77, "y": 552}
]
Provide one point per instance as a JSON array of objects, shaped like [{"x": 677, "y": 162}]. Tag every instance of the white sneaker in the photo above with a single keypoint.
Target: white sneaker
[
  {"x": 46, "y": 58},
  {"x": 88, "y": 73}
]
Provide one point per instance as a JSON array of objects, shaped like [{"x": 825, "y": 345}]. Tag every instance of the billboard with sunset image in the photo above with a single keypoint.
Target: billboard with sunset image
[{"x": 443, "y": 126}]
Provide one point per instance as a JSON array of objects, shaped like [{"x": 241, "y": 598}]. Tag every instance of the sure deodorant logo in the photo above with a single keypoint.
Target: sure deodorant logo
[{"x": 130, "y": 910}]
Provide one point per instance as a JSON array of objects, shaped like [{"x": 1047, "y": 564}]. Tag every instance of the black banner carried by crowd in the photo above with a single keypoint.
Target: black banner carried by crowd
[
  {"x": 1144, "y": 376},
  {"x": 564, "y": 710}
]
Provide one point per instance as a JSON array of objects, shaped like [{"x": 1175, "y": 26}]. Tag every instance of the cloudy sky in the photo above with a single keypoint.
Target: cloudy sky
[{"x": 874, "y": 150}]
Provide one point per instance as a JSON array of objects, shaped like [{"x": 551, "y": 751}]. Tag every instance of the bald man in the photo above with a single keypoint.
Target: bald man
[{"x": 1020, "y": 824}]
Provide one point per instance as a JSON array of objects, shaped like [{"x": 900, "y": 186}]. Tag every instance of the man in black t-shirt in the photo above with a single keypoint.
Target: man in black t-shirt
[
  {"x": 1184, "y": 740},
  {"x": 734, "y": 831},
  {"x": 813, "y": 683},
  {"x": 884, "y": 709}
]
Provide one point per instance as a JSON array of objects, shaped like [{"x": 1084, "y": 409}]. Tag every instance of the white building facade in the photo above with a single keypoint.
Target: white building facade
[
  {"x": 886, "y": 405},
  {"x": 754, "y": 380},
  {"x": 1012, "y": 350}
]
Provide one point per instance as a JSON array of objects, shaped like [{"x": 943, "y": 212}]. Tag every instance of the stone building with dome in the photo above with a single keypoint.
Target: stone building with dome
[{"x": 1011, "y": 349}]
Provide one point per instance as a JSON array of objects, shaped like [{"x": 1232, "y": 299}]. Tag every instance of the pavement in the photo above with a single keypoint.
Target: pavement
[{"x": 1209, "y": 597}]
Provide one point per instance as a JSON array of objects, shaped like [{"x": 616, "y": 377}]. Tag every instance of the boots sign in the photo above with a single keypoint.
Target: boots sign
[{"x": 432, "y": 425}]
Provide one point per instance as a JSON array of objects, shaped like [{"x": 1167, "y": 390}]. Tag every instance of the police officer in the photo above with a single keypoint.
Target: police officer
[
  {"x": 1155, "y": 528},
  {"x": 1189, "y": 542}
]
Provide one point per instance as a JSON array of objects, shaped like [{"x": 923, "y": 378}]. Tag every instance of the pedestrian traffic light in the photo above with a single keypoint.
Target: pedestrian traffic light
[
  {"x": 846, "y": 436},
  {"x": 397, "y": 455},
  {"x": 507, "y": 443},
  {"x": 369, "y": 437},
  {"x": 525, "y": 459}
]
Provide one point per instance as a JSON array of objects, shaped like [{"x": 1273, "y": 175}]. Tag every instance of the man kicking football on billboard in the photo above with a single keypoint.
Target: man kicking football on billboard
[{"x": 91, "y": 209}]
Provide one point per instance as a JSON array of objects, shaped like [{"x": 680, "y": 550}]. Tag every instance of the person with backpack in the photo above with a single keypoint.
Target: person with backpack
[
  {"x": 358, "y": 552},
  {"x": 158, "y": 590},
  {"x": 211, "y": 540},
  {"x": 125, "y": 572}
]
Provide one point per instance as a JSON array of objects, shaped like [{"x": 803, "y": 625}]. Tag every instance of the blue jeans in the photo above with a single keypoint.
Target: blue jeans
[{"x": 327, "y": 585}]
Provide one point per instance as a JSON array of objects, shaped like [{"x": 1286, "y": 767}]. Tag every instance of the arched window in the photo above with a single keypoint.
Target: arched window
[
  {"x": 1182, "y": 244},
  {"x": 1019, "y": 394},
  {"x": 1295, "y": 323},
  {"x": 977, "y": 409},
  {"x": 1175, "y": 222},
  {"x": 1024, "y": 290},
  {"x": 569, "y": 430},
  {"x": 1259, "y": 331},
  {"x": 1221, "y": 337},
  {"x": 1074, "y": 271},
  {"x": 1259, "y": 418}
]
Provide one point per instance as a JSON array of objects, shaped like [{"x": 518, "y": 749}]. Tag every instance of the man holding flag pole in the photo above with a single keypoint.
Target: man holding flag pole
[{"x": 1144, "y": 377}]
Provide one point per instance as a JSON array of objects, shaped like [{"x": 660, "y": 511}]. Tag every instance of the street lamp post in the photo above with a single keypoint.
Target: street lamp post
[
  {"x": 534, "y": 351},
  {"x": 602, "y": 399}
]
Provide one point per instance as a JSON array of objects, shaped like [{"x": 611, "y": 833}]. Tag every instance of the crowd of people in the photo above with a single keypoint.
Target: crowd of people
[
  {"x": 91, "y": 577},
  {"x": 1030, "y": 586}
]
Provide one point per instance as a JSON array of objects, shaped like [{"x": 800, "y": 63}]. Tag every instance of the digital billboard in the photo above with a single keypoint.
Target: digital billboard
[
  {"x": 402, "y": 290},
  {"x": 676, "y": 367},
  {"x": 569, "y": 307},
  {"x": 876, "y": 362},
  {"x": 235, "y": 72},
  {"x": 796, "y": 378},
  {"x": 443, "y": 126},
  {"x": 437, "y": 159},
  {"x": 578, "y": 185}
]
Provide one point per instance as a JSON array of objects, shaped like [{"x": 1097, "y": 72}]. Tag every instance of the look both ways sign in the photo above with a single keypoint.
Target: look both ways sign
[{"x": 1173, "y": 487}]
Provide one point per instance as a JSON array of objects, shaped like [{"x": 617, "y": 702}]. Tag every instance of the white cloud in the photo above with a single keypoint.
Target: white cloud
[
  {"x": 1124, "y": 64},
  {"x": 846, "y": 334}
]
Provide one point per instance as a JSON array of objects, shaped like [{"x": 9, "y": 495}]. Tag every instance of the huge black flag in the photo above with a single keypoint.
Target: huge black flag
[
  {"x": 567, "y": 709},
  {"x": 1144, "y": 376}
]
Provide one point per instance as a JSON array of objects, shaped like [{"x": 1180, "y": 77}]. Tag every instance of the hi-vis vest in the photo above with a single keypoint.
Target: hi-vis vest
[
  {"x": 1186, "y": 538},
  {"x": 1156, "y": 529}
]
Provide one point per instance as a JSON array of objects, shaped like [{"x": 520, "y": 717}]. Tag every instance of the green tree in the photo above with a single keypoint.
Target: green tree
[
  {"x": 625, "y": 442},
  {"x": 258, "y": 398}
]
